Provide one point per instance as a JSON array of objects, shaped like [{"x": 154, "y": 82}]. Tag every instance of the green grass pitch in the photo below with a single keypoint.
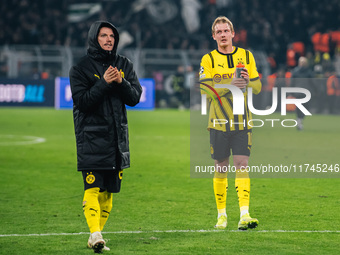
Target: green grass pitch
[{"x": 41, "y": 191}]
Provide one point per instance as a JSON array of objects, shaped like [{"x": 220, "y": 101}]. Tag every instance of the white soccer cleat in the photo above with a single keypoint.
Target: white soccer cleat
[
  {"x": 106, "y": 248},
  {"x": 221, "y": 222},
  {"x": 97, "y": 243},
  {"x": 247, "y": 222}
]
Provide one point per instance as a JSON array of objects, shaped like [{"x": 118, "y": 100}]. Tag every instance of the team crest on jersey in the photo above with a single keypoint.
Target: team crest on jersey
[
  {"x": 240, "y": 61},
  {"x": 90, "y": 178}
]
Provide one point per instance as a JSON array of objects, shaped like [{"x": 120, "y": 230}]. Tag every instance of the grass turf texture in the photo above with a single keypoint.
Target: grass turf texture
[{"x": 41, "y": 191}]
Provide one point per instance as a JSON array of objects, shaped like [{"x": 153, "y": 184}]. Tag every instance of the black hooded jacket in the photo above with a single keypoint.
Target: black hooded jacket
[{"x": 99, "y": 112}]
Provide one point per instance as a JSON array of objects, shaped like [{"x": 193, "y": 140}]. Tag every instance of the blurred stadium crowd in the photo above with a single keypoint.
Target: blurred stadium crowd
[{"x": 284, "y": 30}]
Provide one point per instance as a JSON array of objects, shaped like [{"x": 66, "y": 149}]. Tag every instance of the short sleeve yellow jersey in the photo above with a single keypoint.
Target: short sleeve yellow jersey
[{"x": 218, "y": 68}]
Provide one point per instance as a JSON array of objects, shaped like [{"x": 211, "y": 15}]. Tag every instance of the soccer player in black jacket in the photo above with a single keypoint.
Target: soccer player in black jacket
[{"x": 102, "y": 83}]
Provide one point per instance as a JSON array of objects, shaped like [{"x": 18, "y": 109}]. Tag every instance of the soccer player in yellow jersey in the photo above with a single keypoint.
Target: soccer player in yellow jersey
[{"x": 234, "y": 133}]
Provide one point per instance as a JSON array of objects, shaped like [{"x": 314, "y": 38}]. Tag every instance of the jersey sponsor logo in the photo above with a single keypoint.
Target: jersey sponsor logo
[
  {"x": 221, "y": 65},
  {"x": 219, "y": 77},
  {"x": 90, "y": 178}
]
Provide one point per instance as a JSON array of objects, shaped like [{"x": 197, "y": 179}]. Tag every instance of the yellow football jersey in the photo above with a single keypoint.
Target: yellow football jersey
[{"x": 218, "y": 68}]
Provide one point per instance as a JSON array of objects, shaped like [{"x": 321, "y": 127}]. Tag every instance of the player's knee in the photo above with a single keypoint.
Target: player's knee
[
  {"x": 224, "y": 161},
  {"x": 241, "y": 162}
]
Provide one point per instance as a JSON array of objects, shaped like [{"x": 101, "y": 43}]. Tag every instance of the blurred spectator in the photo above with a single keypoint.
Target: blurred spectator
[
  {"x": 301, "y": 77},
  {"x": 291, "y": 57},
  {"x": 161, "y": 97},
  {"x": 178, "y": 88},
  {"x": 272, "y": 25},
  {"x": 280, "y": 82},
  {"x": 333, "y": 91},
  {"x": 285, "y": 30}
]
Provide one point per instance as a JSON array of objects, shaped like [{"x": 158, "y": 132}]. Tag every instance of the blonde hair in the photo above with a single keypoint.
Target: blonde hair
[{"x": 222, "y": 19}]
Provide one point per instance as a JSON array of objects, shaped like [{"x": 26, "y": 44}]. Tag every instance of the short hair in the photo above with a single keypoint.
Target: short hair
[{"x": 222, "y": 19}]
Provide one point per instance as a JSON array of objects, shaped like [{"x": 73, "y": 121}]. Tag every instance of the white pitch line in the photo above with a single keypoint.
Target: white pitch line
[
  {"x": 25, "y": 140},
  {"x": 176, "y": 231}
]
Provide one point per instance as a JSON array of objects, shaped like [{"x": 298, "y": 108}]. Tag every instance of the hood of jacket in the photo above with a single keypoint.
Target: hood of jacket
[{"x": 94, "y": 50}]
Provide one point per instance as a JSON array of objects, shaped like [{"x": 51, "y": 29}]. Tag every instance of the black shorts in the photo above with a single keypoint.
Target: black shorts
[
  {"x": 239, "y": 142},
  {"x": 105, "y": 180}
]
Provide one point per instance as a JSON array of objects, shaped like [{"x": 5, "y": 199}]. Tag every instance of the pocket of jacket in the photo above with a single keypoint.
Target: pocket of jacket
[
  {"x": 96, "y": 140},
  {"x": 124, "y": 141}
]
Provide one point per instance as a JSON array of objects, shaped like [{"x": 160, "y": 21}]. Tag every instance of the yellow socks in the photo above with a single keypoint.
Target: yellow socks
[
  {"x": 220, "y": 190},
  {"x": 105, "y": 201},
  {"x": 242, "y": 185},
  {"x": 91, "y": 209},
  {"x": 97, "y": 207}
]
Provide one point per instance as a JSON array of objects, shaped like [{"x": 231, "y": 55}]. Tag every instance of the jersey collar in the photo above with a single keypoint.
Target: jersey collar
[{"x": 233, "y": 52}]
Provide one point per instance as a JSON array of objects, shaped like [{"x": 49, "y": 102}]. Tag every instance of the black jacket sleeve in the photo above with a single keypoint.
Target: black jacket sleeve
[
  {"x": 130, "y": 88},
  {"x": 86, "y": 94}
]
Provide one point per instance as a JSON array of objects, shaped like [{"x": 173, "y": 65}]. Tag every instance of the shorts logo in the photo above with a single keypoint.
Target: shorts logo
[
  {"x": 120, "y": 174},
  {"x": 211, "y": 149},
  {"x": 90, "y": 178}
]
